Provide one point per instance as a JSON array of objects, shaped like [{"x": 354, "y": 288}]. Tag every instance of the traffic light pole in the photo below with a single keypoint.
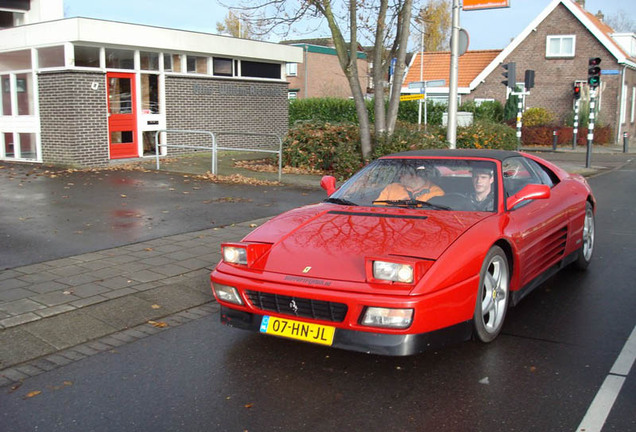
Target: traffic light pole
[
  {"x": 575, "y": 134},
  {"x": 519, "y": 117},
  {"x": 590, "y": 132}
]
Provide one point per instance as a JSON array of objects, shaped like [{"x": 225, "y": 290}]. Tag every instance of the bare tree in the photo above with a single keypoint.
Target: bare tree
[
  {"x": 621, "y": 22},
  {"x": 386, "y": 23}
]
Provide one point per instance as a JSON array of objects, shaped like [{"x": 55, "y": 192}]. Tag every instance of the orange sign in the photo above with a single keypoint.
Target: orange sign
[{"x": 485, "y": 4}]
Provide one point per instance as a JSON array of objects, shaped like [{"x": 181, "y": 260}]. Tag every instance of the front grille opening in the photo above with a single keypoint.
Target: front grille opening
[{"x": 300, "y": 307}]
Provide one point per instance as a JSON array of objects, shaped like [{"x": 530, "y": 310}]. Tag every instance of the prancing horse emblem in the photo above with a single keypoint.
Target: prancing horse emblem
[
  {"x": 293, "y": 306},
  {"x": 306, "y": 269}
]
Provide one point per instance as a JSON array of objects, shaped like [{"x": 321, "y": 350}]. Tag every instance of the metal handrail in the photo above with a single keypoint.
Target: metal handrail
[
  {"x": 279, "y": 151},
  {"x": 213, "y": 148}
]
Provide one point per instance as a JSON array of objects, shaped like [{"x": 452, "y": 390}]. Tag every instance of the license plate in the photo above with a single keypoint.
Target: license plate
[{"x": 307, "y": 332}]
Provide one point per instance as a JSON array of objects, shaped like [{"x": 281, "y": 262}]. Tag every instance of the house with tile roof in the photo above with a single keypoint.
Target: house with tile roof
[
  {"x": 430, "y": 66},
  {"x": 557, "y": 45}
]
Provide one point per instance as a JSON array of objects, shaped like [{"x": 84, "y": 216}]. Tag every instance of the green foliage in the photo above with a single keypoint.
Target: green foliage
[
  {"x": 409, "y": 112},
  {"x": 538, "y": 117},
  {"x": 333, "y": 110},
  {"x": 330, "y": 148},
  {"x": 407, "y": 137},
  {"x": 511, "y": 108},
  {"x": 491, "y": 111},
  {"x": 487, "y": 135}
]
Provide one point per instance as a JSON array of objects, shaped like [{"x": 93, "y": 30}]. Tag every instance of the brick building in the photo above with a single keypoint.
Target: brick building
[
  {"x": 558, "y": 44},
  {"x": 82, "y": 92},
  {"x": 320, "y": 74}
]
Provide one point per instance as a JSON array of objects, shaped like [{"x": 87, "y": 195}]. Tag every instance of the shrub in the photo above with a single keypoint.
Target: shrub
[
  {"x": 487, "y": 135},
  {"x": 324, "y": 146},
  {"x": 333, "y": 110},
  {"x": 409, "y": 112},
  {"x": 491, "y": 111},
  {"x": 538, "y": 117},
  {"x": 406, "y": 137}
]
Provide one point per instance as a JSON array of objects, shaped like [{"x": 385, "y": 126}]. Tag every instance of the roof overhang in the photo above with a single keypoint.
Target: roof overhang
[{"x": 134, "y": 36}]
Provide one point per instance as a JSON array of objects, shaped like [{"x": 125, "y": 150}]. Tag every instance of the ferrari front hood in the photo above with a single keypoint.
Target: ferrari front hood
[{"x": 331, "y": 242}]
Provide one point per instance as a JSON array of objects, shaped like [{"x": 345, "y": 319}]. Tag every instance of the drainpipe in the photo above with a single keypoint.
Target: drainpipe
[{"x": 620, "y": 107}]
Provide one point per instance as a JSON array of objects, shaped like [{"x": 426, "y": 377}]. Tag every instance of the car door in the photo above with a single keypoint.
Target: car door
[{"x": 538, "y": 228}]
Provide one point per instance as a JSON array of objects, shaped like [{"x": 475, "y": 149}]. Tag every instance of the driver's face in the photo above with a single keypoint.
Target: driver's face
[{"x": 482, "y": 182}]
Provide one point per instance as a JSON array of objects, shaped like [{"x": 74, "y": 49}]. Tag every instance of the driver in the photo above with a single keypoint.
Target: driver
[
  {"x": 414, "y": 184},
  {"x": 482, "y": 198}
]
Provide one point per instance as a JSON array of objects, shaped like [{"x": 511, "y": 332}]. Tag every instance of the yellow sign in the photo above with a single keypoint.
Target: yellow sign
[{"x": 411, "y": 97}]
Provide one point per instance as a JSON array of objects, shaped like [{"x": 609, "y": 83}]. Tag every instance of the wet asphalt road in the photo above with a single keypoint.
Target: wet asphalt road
[
  {"x": 77, "y": 212},
  {"x": 541, "y": 374}
]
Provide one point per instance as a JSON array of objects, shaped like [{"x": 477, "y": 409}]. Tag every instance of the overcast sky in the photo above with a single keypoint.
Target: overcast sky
[{"x": 488, "y": 29}]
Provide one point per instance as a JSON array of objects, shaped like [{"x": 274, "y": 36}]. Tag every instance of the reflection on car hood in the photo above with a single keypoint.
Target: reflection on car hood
[{"x": 333, "y": 241}]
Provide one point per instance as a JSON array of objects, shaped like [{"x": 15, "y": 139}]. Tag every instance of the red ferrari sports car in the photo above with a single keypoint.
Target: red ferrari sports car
[{"x": 416, "y": 250}]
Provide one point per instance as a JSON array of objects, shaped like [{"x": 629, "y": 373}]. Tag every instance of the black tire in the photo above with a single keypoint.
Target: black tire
[
  {"x": 492, "y": 296},
  {"x": 587, "y": 242}
]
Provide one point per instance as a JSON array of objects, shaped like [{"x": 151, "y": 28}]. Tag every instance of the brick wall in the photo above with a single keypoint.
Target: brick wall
[
  {"x": 554, "y": 76},
  {"x": 73, "y": 118},
  {"x": 325, "y": 77},
  {"x": 208, "y": 104}
]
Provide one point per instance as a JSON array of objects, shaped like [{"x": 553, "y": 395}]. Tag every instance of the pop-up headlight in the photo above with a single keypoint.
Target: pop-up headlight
[
  {"x": 394, "y": 272},
  {"x": 243, "y": 253}
]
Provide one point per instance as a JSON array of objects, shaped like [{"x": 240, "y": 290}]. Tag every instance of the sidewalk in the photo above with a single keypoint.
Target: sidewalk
[
  {"x": 107, "y": 293},
  {"x": 56, "y": 312}
]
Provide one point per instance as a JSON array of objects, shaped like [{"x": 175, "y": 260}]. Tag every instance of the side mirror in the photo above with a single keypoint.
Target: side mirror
[
  {"x": 529, "y": 192},
  {"x": 328, "y": 183}
]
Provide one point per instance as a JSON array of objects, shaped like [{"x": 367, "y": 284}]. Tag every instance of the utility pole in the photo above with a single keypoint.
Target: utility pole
[{"x": 451, "y": 133}]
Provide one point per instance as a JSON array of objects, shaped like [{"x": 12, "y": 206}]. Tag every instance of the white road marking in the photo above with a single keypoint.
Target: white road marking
[{"x": 606, "y": 396}]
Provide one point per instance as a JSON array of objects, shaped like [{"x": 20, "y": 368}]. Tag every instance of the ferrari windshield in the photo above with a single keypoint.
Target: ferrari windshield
[{"x": 442, "y": 184}]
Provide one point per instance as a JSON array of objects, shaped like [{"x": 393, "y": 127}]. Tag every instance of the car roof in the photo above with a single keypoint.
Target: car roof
[{"x": 460, "y": 153}]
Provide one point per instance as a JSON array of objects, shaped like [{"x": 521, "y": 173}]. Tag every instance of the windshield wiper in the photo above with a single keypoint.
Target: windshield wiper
[
  {"x": 340, "y": 201},
  {"x": 412, "y": 203}
]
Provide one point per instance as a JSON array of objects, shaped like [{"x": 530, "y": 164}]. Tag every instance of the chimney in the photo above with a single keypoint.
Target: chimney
[
  {"x": 582, "y": 3},
  {"x": 600, "y": 16}
]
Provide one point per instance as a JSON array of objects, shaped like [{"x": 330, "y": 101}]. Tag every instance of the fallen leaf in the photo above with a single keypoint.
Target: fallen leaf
[
  {"x": 158, "y": 324},
  {"x": 249, "y": 405},
  {"x": 149, "y": 249},
  {"x": 32, "y": 394},
  {"x": 123, "y": 195},
  {"x": 155, "y": 306}
]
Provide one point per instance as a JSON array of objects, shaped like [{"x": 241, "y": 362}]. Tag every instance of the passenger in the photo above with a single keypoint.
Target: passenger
[
  {"x": 482, "y": 198},
  {"x": 414, "y": 184}
]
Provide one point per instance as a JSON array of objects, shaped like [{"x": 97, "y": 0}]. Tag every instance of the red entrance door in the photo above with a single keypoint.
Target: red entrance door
[{"x": 122, "y": 116}]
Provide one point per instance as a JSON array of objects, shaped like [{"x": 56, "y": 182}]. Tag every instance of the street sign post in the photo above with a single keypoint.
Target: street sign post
[{"x": 422, "y": 86}]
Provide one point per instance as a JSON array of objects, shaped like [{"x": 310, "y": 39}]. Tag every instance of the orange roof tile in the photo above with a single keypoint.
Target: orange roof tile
[{"x": 437, "y": 66}]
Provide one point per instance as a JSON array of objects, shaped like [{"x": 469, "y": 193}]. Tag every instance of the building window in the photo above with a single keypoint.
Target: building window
[
  {"x": 291, "y": 69},
  {"x": 51, "y": 57},
  {"x": 222, "y": 66},
  {"x": 5, "y": 84},
  {"x": 149, "y": 94},
  {"x": 120, "y": 59},
  {"x": 24, "y": 93},
  {"x": 197, "y": 64},
  {"x": 260, "y": 70},
  {"x": 86, "y": 56},
  {"x": 560, "y": 46},
  {"x": 149, "y": 61}
]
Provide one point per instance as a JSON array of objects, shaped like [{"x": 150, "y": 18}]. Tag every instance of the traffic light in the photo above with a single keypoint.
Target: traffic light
[
  {"x": 529, "y": 79},
  {"x": 594, "y": 72},
  {"x": 577, "y": 91},
  {"x": 510, "y": 75}
]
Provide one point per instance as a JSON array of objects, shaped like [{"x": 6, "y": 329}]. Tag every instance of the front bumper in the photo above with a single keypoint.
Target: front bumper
[{"x": 367, "y": 342}]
